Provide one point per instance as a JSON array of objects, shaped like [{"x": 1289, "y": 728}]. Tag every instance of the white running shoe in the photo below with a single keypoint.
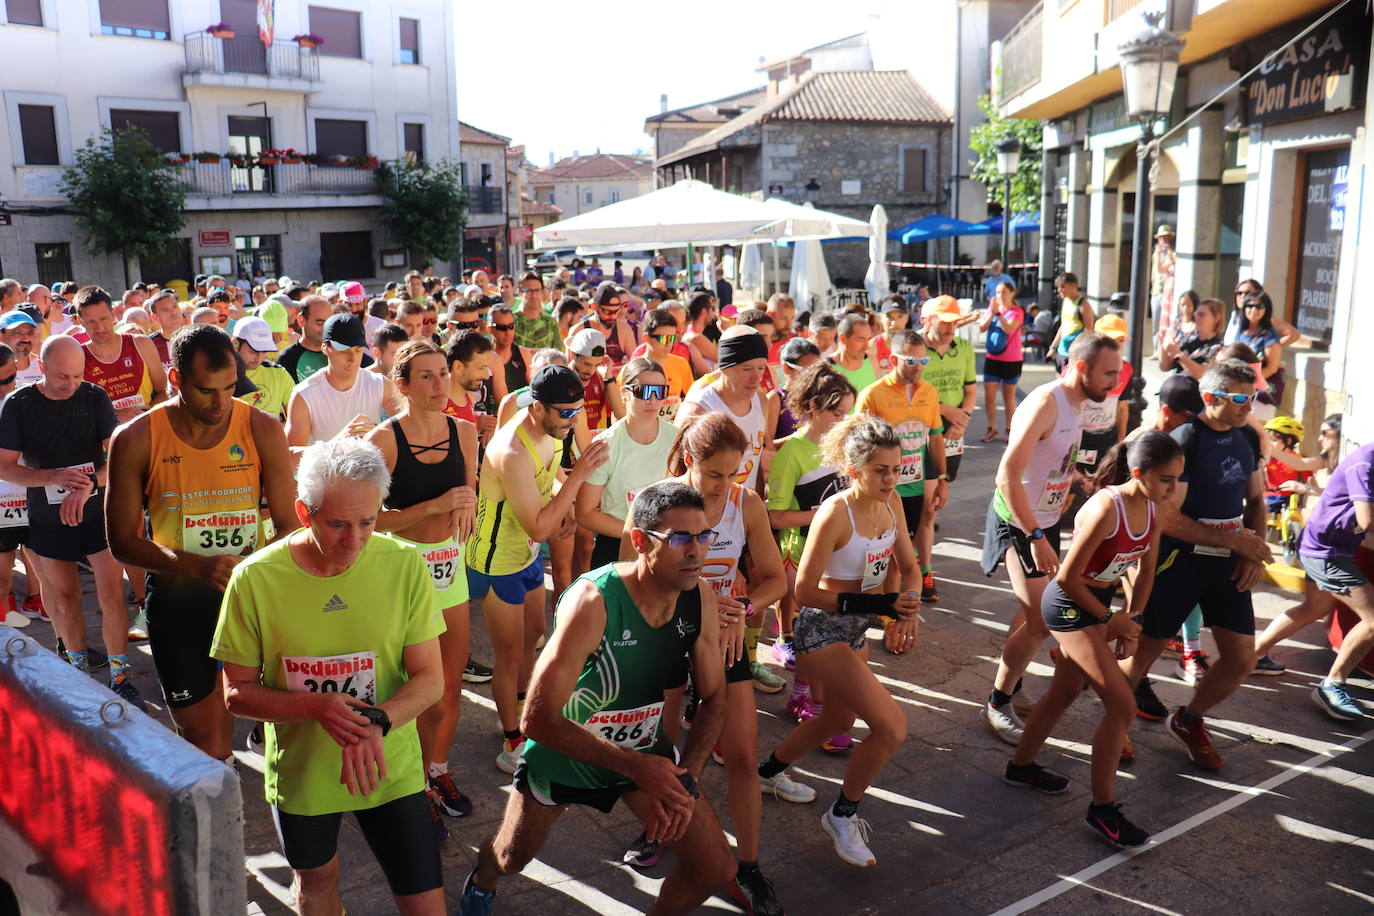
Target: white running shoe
[
  {"x": 15, "y": 619},
  {"x": 1003, "y": 722},
  {"x": 786, "y": 788},
  {"x": 850, "y": 835},
  {"x": 509, "y": 759}
]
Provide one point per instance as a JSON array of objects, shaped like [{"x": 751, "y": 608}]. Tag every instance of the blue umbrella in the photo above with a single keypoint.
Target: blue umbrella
[
  {"x": 927, "y": 228},
  {"x": 1026, "y": 222}
]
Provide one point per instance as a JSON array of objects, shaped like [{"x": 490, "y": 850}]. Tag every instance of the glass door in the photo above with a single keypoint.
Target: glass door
[{"x": 248, "y": 137}]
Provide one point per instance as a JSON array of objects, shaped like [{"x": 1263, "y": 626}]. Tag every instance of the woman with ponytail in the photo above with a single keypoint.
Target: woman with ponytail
[{"x": 1113, "y": 532}]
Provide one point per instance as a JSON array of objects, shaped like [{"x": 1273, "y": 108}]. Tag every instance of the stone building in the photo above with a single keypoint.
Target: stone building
[{"x": 578, "y": 184}]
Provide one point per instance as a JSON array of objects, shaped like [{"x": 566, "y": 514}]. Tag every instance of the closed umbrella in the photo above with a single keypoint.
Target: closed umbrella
[
  {"x": 810, "y": 282},
  {"x": 876, "y": 280},
  {"x": 751, "y": 271}
]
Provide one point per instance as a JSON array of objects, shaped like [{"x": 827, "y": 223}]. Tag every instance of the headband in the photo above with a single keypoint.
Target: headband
[{"x": 737, "y": 350}]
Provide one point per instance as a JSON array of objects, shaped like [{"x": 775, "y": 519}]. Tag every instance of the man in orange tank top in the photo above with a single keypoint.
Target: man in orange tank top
[
  {"x": 125, "y": 365},
  {"x": 201, "y": 465}
]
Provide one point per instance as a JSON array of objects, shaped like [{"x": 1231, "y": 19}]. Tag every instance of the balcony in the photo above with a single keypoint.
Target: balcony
[
  {"x": 483, "y": 200},
  {"x": 1022, "y": 51},
  {"x": 247, "y": 63},
  {"x": 263, "y": 183}
]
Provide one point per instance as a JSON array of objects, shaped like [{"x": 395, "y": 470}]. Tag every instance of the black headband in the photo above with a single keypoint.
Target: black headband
[{"x": 737, "y": 350}]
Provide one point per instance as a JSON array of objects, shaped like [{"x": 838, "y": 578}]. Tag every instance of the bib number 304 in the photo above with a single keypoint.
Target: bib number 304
[{"x": 354, "y": 674}]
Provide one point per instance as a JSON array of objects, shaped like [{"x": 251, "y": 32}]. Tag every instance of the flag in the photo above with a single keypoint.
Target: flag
[{"x": 266, "y": 20}]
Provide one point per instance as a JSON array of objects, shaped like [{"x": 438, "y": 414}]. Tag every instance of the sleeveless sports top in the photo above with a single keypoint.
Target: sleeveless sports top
[
  {"x": 1049, "y": 472},
  {"x": 126, "y": 379},
  {"x": 499, "y": 546},
  {"x": 205, "y": 501},
  {"x": 1122, "y": 549},
  {"x": 619, "y": 693},
  {"x": 517, "y": 376},
  {"x": 722, "y": 560},
  {"x": 331, "y": 410},
  {"x": 414, "y": 481},
  {"x": 752, "y": 423},
  {"x": 863, "y": 558}
]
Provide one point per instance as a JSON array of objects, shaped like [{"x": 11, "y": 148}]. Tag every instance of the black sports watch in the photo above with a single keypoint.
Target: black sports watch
[
  {"x": 1036, "y": 534},
  {"x": 689, "y": 784},
  {"x": 378, "y": 717}
]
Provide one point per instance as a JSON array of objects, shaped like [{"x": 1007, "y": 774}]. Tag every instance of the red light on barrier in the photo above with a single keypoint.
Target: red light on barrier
[{"x": 103, "y": 834}]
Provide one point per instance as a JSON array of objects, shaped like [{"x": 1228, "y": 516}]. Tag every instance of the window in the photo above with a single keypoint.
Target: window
[
  {"x": 913, "y": 171},
  {"x": 135, "y": 18},
  {"x": 162, "y": 127},
  {"x": 173, "y": 262},
  {"x": 54, "y": 262},
  {"x": 38, "y": 125},
  {"x": 340, "y": 138},
  {"x": 24, "y": 12},
  {"x": 258, "y": 255},
  {"x": 413, "y": 142},
  {"x": 346, "y": 254},
  {"x": 341, "y": 31},
  {"x": 615, "y": 195},
  {"x": 410, "y": 41},
  {"x": 587, "y": 197},
  {"x": 486, "y": 175}
]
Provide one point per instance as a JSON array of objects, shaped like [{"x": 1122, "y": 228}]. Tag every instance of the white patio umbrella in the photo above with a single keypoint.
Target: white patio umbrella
[
  {"x": 804, "y": 221},
  {"x": 876, "y": 280},
  {"x": 751, "y": 270},
  {"x": 810, "y": 282}
]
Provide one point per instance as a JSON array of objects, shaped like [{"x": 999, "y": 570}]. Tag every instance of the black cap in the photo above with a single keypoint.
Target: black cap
[
  {"x": 28, "y": 308},
  {"x": 606, "y": 292},
  {"x": 552, "y": 385},
  {"x": 344, "y": 331},
  {"x": 200, "y": 279},
  {"x": 1180, "y": 393}
]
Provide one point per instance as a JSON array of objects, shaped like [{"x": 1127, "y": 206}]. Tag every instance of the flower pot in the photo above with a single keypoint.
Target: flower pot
[
  {"x": 307, "y": 43},
  {"x": 292, "y": 160},
  {"x": 209, "y": 160},
  {"x": 223, "y": 33},
  {"x": 268, "y": 160}
]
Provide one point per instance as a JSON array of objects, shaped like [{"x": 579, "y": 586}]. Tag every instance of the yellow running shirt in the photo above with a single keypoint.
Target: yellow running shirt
[{"x": 499, "y": 546}]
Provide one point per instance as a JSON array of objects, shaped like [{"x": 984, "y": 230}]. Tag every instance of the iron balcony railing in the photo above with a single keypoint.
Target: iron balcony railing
[
  {"x": 1022, "y": 51},
  {"x": 247, "y": 54},
  {"x": 223, "y": 179},
  {"x": 483, "y": 200}
]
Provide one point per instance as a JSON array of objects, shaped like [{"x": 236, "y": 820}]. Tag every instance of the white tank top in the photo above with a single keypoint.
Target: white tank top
[
  {"x": 722, "y": 560},
  {"x": 865, "y": 559},
  {"x": 14, "y": 498},
  {"x": 751, "y": 423},
  {"x": 1049, "y": 472},
  {"x": 331, "y": 409}
]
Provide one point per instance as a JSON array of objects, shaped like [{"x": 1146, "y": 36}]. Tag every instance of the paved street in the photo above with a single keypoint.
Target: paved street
[{"x": 1286, "y": 825}]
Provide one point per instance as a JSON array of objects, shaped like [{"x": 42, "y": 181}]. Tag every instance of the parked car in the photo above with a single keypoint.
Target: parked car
[{"x": 547, "y": 262}]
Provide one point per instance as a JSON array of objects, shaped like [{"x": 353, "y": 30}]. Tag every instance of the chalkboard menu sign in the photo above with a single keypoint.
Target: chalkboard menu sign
[{"x": 1324, "y": 174}]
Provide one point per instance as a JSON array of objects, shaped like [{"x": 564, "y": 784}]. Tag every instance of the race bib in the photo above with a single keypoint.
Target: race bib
[
  {"x": 875, "y": 568},
  {"x": 1088, "y": 457},
  {"x": 444, "y": 564},
  {"x": 133, "y": 400},
  {"x": 354, "y": 674},
  {"x": 668, "y": 410},
  {"x": 1119, "y": 564},
  {"x": 56, "y": 494},
  {"x": 1224, "y": 524},
  {"x": 911, "y": 470},
  {"x": 220, "y": 534},
  {"x": 632, "y": 729},
  {"x": 1054, "y": 496},
  {"x": 14, "y": 510},
  {"x": 954, "y": 447}
]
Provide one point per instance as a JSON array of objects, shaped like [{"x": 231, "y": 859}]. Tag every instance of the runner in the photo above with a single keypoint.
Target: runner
[
  {"x": 517, "y": 508},
  {"x": 470, "y": 372},
  {"x": 794, "y": 356},
  {"x": 1024, "y": 515},
  {"x": 1212, "y": 552},
  {"x": 330, "y": 636},
  {"x": 845, "y": 567},
  {"x": 201, "y": 466},
  {"x": 166, "y": 310},
  {"x": 1077, "y": 608},
  {"x": 253, "y": 342},
  {"x": 431, "y": 505},
  {"x": 20, "y": 333},
  {"x": 341, "y": 399},
  {"x": 1104, "y": 422},
  {"x": 306, "y": 356},
  {"x": 14, "y": 523},
  {"x": 912, "y": 407},
  {"x": 125, "y": 365},
  {"x": 535, "y": 328},
  {"x": 514, "y": 359},
  {"x": 851, "y": 355},
  {"x": 54, "y": 435},
  {"x": 660, "y": 345},
  {"x": 1075, "y": 316},
  {"x": 596, "y": 707},
  {"x": 608, "y": 318},
  {"x": 385, "y": 343},
  {"x": 892, "y": 311}
]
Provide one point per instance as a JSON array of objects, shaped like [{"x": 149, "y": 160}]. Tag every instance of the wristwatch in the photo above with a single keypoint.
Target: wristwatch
[
  {"x": 689, "y": 784},
  {"x": 943, "y": 476},
  {"x": 1036, "y": 534},
  {"x": 378, "y": 717}
]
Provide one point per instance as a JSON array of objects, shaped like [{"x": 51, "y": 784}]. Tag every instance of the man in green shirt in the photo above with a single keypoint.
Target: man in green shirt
[
  {"x": 330, "y": 636},
  {"x": 253, "y": 342},
  {"x": 851, "y": 355},
  {"x": 535, "y": 328}
]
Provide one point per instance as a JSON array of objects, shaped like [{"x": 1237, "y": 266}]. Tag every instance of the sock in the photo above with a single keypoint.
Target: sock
[
  {"x": 771, "y": 767},
  {"x": 520, "y": 696},
  {"x": 512, "y": 736},
  {"x": 787, "y": 637},
  {"x": 119, "y": 668},
  {"x": 818, "y": 707},
  {"x": 1187, "y": 714},
  {"x": 843, "y": 807},
  {"x": 78, "y": 660},
  {"x": 748, "y": 868},
  {"x": 1192, "y": 645},
  {"x": 925, "y": 569},
  {"x": 999, "y": 698},
  {"x": 435, "y": 770},
  {"x": 801, "y": 689},
  {"x": 1017, "y": 688},
  {"x": 751, "y": 643},
  {"x": 1094, "y": 808}
]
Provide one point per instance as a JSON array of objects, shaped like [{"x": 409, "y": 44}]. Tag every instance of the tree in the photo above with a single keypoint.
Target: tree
[
  {"x": 425, "y": 207},
  {"x": 128, "y": 197},
  {"x": 983, "y": 140}
]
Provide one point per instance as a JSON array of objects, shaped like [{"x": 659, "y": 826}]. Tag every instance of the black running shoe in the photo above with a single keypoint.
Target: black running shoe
[
  {"x": 446, "y": 794},
  {"x": 1034, "y": 776},
  {"x": 1112, "y": 824},
  {"x": 127, "y": 692},
  {"x": 95, "y": 659},
  {"x": 642, "y": 853},
  {"x": 1147, "y": 705},
  {"x": 474, "y": 672},
  {"x": 754, "y": 893}
]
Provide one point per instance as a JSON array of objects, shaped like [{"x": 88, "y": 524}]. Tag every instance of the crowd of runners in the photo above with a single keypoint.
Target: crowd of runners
[{"x": 296, "y": 501}]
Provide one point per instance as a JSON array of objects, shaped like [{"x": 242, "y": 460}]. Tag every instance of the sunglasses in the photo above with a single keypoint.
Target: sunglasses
[
  {"x": 503, "y": 327},
  {"x": 666, "y": 339},
  {"x": 1239, "y": 400},
  {"x": 465, "y": 325},
  {"x": 1254, "y": 305},
  {"x": 680, "y": 539},
  {"x": 915, "y": 360},
  {"x": 649, "y": 392},
  {"x": 566, "y": 413}
]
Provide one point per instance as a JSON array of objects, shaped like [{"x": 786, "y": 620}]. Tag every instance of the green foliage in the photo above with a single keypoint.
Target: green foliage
[
  {"x": 425, "y": 207},
  {"x": 983, "y": 140},
  {"x": 128, "y": 197}
]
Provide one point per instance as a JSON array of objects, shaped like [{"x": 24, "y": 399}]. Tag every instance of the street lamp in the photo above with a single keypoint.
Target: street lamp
[
  {"x": 813, "y": 190},
  {"x": 1149, "y": 67},
  {"x": 1008, "y": 158}
]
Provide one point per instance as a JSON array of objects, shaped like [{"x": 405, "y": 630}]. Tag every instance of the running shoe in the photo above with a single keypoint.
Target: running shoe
[
  {"x": 127, "y": 692},
  {"x": 786, "y": 788},
  {"x": 12, "y": 617},
  {"x": 446, "y": 794},
  {"x": 255, "y": 743},
  {"x": 1193, "y": 735},
  {"x": 1266, "y": 665},
  {"x": 1021, "y": 703},
  {"x": 474, "y": 672},
  {"x": 33, "y": 608},
  {"x": 1003, "y": 722},
  {"x": 801, "y": 707},
  {"x": 850, "y": 835},
  {"x": 784, "y": 653},
  {"x": 765, "y": 681},
  {"x": 1034, "y": 776},
  {"x": 642, "y": 853},
  {"x": 754, "y": 893},
  {"x": 1112, "y": 824},
  {"x": 716, "y": 756},
  {"x": 1192, "y": 666},
  {"x": 928, "y": 591},
  {"x": 138, "y": 628},
  {"x": 838, "y": 744},
  {"x": 1333, "y": 697},
  {"x": 1147, "y": 705},
  {"x": 509, "y": 758},
  {"x": 475, "y": 901},
  {"x": 436, "y": 814},
  {"x": 1173, "y": 648},
  {"x": 1127, "y": 750}
]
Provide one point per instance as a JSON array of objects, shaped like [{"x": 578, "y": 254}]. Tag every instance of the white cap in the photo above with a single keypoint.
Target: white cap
[
  {"x": 284, "y": 281},
  {"x": 329, "y": 290},
  {"x": 257, "y": 332},
  {"x": 585, "y": 342}
]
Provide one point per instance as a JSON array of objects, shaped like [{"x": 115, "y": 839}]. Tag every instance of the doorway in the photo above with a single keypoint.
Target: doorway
[
  {"x": 245, "y": 52},
  {"x": 249, "y": 137}
]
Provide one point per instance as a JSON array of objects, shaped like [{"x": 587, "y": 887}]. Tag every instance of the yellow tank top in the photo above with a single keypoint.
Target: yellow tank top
[
  {"x": 205, "y": 501},
  {"x": 499, "y": 546}
]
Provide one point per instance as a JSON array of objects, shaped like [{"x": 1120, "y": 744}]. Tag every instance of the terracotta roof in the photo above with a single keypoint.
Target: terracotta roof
[
  {"x": 469, "y": 134},
  {"x": 531, "y": 207},
  {"x": 706, "y": 112},
  {"x": 597, "y": 165},
  {"x": 846, "y": 96}
]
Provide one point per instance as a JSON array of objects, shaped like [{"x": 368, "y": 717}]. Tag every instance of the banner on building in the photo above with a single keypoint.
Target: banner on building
[
  {"x": 520, "y": 234},
  {"x": 1322, "y": 73},
  {"x": 267, "y": 20}
]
